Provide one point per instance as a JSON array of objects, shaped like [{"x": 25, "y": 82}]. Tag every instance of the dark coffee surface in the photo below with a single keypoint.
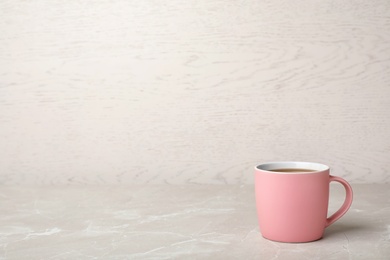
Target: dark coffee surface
[{"x": 292, "y": 170}]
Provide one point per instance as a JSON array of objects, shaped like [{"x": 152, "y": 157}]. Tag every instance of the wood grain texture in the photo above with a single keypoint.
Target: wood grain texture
[{"x": 192, "y": 91}]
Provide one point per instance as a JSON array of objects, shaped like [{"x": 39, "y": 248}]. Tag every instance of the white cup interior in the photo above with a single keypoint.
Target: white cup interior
[{"x": 292, "y": 165}]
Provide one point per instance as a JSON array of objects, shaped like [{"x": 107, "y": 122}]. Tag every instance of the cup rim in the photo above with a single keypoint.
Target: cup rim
[{"x": 267, "y": 167}]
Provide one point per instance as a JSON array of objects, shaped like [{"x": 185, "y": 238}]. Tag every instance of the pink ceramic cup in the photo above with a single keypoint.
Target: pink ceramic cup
[{"x": 293, "y": 206}]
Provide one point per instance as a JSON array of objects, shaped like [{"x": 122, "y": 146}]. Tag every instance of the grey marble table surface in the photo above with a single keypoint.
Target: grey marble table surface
[{"x": 176, "y": 222}]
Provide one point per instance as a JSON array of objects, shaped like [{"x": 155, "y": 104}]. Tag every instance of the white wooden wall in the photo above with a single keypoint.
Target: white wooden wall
[{"x": 196, "y": 91}]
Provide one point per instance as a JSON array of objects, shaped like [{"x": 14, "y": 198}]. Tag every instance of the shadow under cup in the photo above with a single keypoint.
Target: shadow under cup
[{"x": 292, "y": 200}]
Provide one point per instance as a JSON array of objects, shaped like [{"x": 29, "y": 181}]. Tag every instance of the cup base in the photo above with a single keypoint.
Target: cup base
[{"x": 292, "y": 241}]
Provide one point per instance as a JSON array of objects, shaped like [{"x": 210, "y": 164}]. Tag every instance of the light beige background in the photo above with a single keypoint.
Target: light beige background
[{"x": 191, "y": 91}]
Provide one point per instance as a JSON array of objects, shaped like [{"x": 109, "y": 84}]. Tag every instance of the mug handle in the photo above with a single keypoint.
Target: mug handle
[{"x": 347, "y": 202}]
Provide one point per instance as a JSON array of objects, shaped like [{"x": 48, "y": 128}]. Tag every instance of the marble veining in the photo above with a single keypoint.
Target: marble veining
[{"x": 176, "y": 222}]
